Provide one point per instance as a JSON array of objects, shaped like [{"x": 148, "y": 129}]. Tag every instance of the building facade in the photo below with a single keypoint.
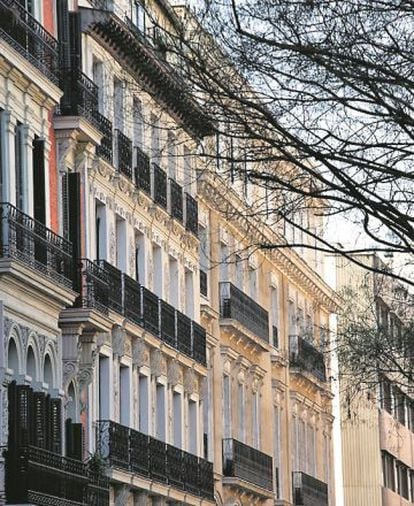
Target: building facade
[
  {"x": 376, "y": 423},
  {"x": 146, "y": 359}
]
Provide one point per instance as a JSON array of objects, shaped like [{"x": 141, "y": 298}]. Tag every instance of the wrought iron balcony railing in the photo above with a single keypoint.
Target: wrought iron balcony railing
[
  {"x": 29, "y": 241},
  {"x": 80, "y": 97},
  {"x": 307, "y": 357},
  {"x": 132, "y": 299},
  {"x": 91, "y": 281},
  {"x": 114, "y": 277},
  {"x": 160, "y": 186},
  {"x": 176, "y": 200},
  {"x": 248, "y": 464},
  {"x": 142, "y": 171},
  {"x": 191, "y": 214},
  {"x": 203, "y": 283},
  {"x": 38, "y": 476},
  {"x": 105, "y": 150},
  {"x": 27, "y": 36},
  {"x": 35, "y": 475},
  {"x": 102, "y": 286},
  {"x": 309, "y": 490},
  {"x": 141, "y": 454},
  {"x": 123, "y": 149},
  {"x": 236, "y": 305}
]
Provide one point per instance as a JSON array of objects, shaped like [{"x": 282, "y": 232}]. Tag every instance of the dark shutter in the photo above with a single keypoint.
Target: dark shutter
[
  {"x": 39, "y": 180},
  {"x": 74, "y": 212},
  {"x": 39, "y": 420},
  {"x": 74, "y": 440},
  {"x": 65, "y": 205},
  {"x": 75, "y": 40},
  {"x": 62, "y": 15},
  {"x": 55, "y": 426}
]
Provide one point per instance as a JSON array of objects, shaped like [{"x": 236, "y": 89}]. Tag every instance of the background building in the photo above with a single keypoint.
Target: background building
[
  {"x": 141, "y": 344},
  {"x": 376, "y": 423}
]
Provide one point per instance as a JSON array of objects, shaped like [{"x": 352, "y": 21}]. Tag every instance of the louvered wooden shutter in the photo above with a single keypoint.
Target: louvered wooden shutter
[
  {"x": 38, "y": 420},
  {"x": 74, "y": 212},
  {"x": 65, "y": 205},
  {"x": 75, "y": 40},
  {"x": 55, "y": 425}
]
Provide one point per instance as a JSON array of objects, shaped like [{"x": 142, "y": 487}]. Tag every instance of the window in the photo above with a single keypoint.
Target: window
[
  {"x": 174, "y": 282},
  {"x": 192, "y": 427},
  {"x": 399, "y": 405},
  {"x": 155, "y": 138},
  {"x": 98, "y": 79},
  {"x": 278, "y": 452},
  {"x": 137, "y": 124},
  {"x": 124, "y": 395},
  {"x": 189, "y": 293},
  {"x": 157, "y": 270},
  {"x": 253, "y": 282},
  {"x": 241, "y": 413},
  {"x": 224, "y": 262},
  {"x": 274, "y": 314},
  {"x": 118, "y": 104},
  {"x": 18, "y": 163},
  {"x": 160, "y": 432},
  {"x": 104, "y": 387},
  {"x": 388, "y": 470},
  {"x": 256, "y": 419},
  {"x": 386, "y": 399},
  {"x": 100, "y": 230},
  {"x": 121, "y": 244},
  {"x": 172, "y": 156},
  {"x": 239, "y": 272},
  {"x": 177, "y": 419},
  {"x": 402, "y": 480},
  {"x": 140, "y": 258},
  {"x": 226, "y": 406},
  {"x": 187, "y": 170},
  {"x": 139, "y": 15},
  {"x": 143, "y": 402}
]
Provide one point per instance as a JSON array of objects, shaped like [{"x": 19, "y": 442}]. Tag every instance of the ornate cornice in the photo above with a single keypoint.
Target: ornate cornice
[{"x": 217, "y": 194}]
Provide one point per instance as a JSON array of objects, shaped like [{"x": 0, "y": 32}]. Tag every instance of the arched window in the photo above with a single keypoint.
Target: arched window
[
  {"x": 48, "y": 372},
  {"x": 31, "y": 364},
  {"x": 13, "y": 357},
  {"x": 71, "y": 405}
]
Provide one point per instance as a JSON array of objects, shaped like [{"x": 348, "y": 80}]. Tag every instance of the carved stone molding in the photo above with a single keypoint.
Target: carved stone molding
[
  {"x": 140, "y": 353},
  {"x": 118, "y": 340},
  {"x": 174, "y": 373},
  {"x": 190, "y": 382},
  {"x": 158, "y": 365}
]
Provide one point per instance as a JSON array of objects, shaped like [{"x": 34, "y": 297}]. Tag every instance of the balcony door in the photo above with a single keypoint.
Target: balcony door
[{"x": 39, "y": 193}]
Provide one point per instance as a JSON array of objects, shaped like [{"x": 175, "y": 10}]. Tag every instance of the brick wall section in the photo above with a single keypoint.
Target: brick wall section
[{"x": 49, "y": 24}]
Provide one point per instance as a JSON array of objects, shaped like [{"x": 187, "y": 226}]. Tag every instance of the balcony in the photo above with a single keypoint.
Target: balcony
[
  {"x": 306, "y": 357},
  {"x": 102, "y": 287},
  {"x": 38, "y": 476},
  {"x": 176, "y": 200},
  {"x": 91, "y": 281},
  {"x": 243, "y": 462},
  {"x": 151, "y": 458},
  {"x": 123, "y": 150},
  {"x": 191, "y": 214},
  {"x": 105, "y": 150},
  {"x": 160, "y": 186},
  {"x": 142, "y": 171},
  {"x": 138, "y": 54},
  {"x": 203, "y": 283},
  {"x": 309, "y": 491},
  {"x": 80, "y": 97},
  {"x": 236, "y": 305},
  {"x": 114, "y": 277},
  {"x": 27, "y": 36},
  {"x": 30, "y": 242}
]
